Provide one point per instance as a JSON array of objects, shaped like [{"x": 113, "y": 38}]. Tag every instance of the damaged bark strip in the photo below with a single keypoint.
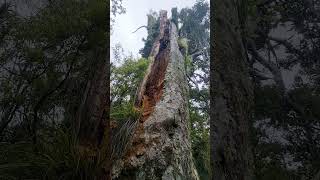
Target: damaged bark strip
[
  {"x": 154, "y": 84},
  {"x": 154, "y": 52},
  {"x": 160, "y": 145}
]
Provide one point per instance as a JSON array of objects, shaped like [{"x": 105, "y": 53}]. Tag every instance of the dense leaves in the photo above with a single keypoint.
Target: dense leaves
[
  {"x": 58, "y": 157},
  {"x": 153, "y": 32},
  {"x": 46, "y": 61},
  {"x": 127, "y": 77},
  {"x": 286, "y": 118}
]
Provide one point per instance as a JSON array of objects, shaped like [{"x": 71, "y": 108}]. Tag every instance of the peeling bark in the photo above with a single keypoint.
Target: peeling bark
[{"x": 160, "y": 145}]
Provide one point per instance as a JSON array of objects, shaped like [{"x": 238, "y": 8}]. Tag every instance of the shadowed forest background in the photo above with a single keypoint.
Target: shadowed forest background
[{"x": 56, "y": 121}]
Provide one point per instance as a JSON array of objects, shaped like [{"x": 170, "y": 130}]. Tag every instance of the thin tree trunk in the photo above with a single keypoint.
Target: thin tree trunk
[
  {"x": 231, "y": 97},
  {"x": 160, "y": 146}
]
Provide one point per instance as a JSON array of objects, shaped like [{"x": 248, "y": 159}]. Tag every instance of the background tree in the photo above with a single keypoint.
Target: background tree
[
  {"x": 116, "y": 9},
  {"x": 152, "y": 30},
  {"x": 50, "y": 64},
  {"x": 283, "y": 71},
  {"x": 195, "y": 24}
]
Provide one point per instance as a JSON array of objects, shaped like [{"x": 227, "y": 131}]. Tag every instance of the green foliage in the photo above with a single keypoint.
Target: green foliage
[
  {"x": 195, "y": 25},
  {"x": 183, "y": 43},
  {"x": 54, "y": 53},
  {"x": 266, "y": 107},
  {"x": 57, "y": 156},
  {"x": 297, "y": 110},
  {"x": 125, "y": 118},
  {"x": 153, "y": 32},
  {"x": 174, "y": 16},
  {"x": 272, "y": 170},
  {"x": 126, "y": 78},
  {"x": 307, "y": 98},
  {"x": 200, "y": 143},
  {"x": 270, "y": 104},
  {"x": 188, "y": 64},
  {"x": 125, "y": 111},
  {"x": 116, "y": 8},
  {"x": 125, "y": 81},
  {"x": 46, "y": 61},
  {"x": 45, "y": 67}
]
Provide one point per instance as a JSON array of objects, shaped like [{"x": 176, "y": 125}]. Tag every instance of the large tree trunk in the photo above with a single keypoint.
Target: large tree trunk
[
  {"x": 160, "y": 145},
  {"x": 91, "y": 113},
  {"x": 231, "y": 97},
  {"x": 92, "y": 123}
]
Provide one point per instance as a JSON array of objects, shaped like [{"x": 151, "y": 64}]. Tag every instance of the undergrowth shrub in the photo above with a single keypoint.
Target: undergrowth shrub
[{"x": 57, "y": 156}]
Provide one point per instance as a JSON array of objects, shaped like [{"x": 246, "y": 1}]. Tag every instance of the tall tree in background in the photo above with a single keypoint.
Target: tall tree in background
[
  {"x": 280, "y": 42},
  {"x": 292, "y": 108},
  {"x": 54, "y": 93},
  {"x": 153, "y": 32},
  {"x": 116, "y": 9},
  {"x": 231, "y": 96},
  {"x": 194, "y": 43}
]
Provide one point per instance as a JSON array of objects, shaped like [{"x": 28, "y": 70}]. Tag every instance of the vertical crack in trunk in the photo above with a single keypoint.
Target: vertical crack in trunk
[
  {"x": 151, "y": 87},
  {"x": 155, "y": 80},
  {"x": 160, "y": 147}
]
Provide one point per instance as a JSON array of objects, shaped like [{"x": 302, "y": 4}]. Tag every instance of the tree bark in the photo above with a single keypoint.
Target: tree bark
[
  {"x": 92, "y": 122},
  {"x": 90, "y": 113},
  {"x": 160, "y": 146},
  {"x": 231, "y": 97}
]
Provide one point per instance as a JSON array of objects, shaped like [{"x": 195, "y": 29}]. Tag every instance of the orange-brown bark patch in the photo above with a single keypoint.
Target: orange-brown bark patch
[
  {"x": 151, "y": 90},
  {"x": 155, "y": 84}
]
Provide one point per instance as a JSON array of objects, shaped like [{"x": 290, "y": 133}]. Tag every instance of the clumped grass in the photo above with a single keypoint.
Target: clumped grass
[
  {"x": 126, "y": 116},
  {"x": 57, "y": 156}
]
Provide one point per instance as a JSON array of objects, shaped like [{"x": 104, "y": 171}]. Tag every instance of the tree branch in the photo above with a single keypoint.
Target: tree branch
[
  {"x": 272, "y": 67},
  {"x": 196, "y": 54},
  {"x": 287, "y": 45},
  {"x": 140, "y": 28}
]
